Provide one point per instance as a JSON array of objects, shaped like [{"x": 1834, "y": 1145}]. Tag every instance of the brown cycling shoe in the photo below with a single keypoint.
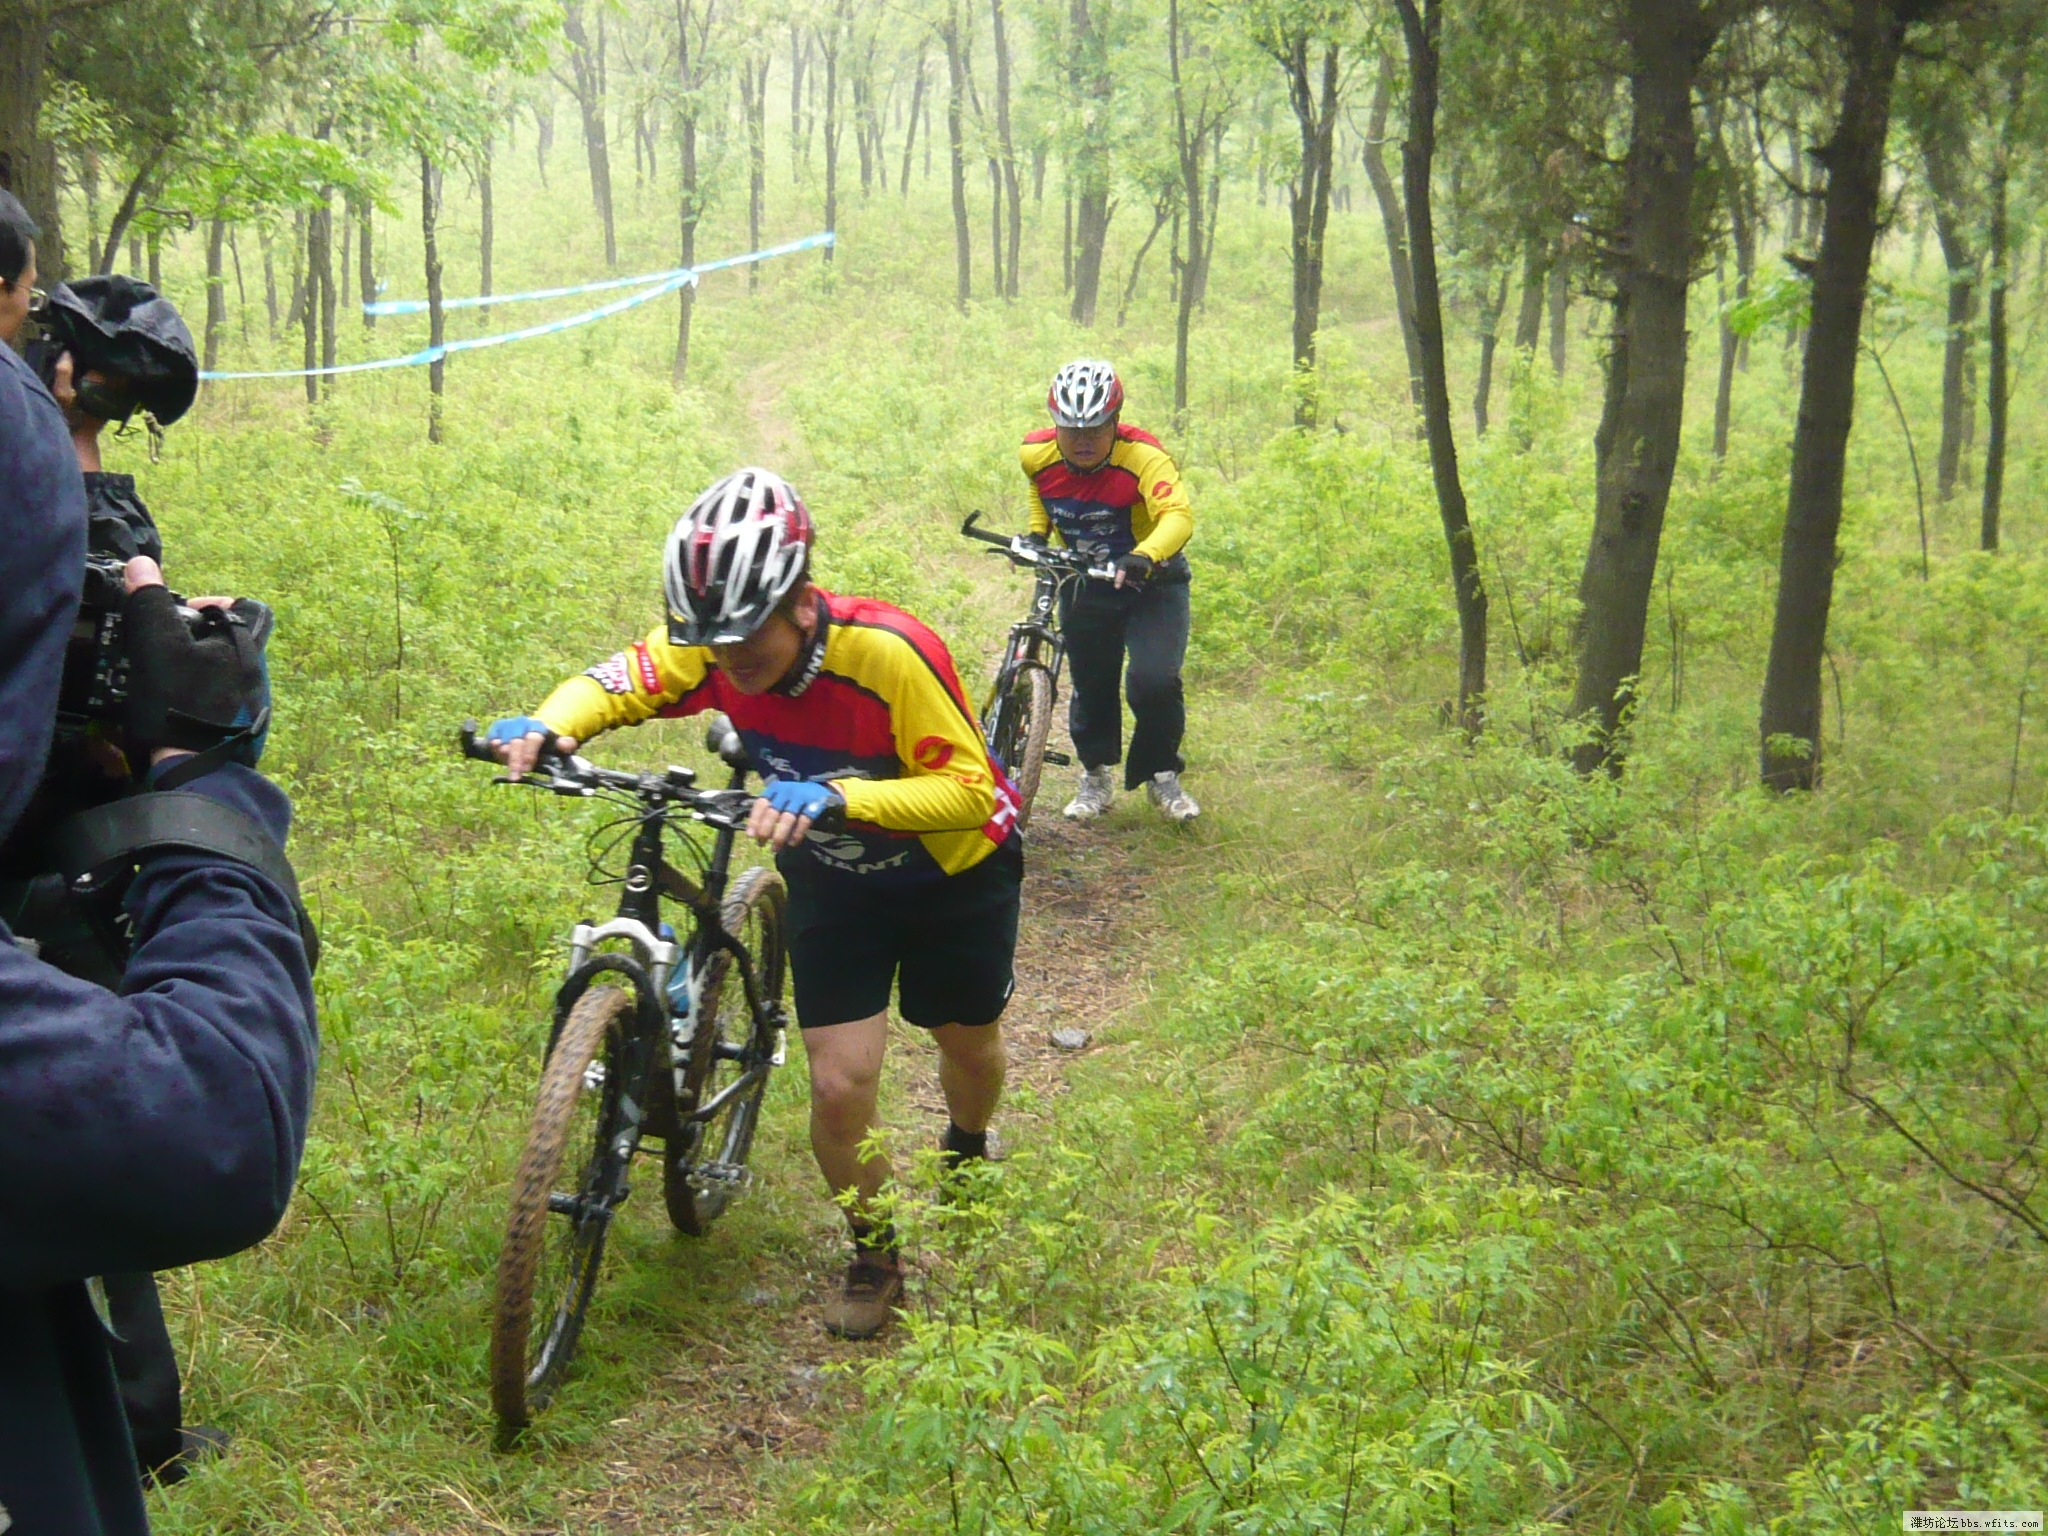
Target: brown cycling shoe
[{"x": 874, "y": 1287}]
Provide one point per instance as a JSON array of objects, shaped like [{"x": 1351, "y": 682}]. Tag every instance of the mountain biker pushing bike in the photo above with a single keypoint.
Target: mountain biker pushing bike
[
  {"x": 1103, "y": 486},
  {"x": 897, "y": 840}
]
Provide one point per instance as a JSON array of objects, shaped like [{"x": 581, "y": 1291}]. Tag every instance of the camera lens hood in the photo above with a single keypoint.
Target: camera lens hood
[{"x": 129, "y": 332}]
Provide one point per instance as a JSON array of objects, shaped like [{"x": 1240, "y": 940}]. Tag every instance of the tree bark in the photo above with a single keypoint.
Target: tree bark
[
  {"x": 269, "y": 277},
  {"x": 1088, "y": 73},
  {"x": 1194, "y": 256},
  {"x": 1422, "y": 30},
  {"x": 956, "y": 76},
  {"x": 688, "y": 210},
  {"x": 28, "y": 163},
  {"x": 437, "y": 318},
  {"x": 1489, "y": 343},
  {"x": 829, "y": 42},
  {"x": 125, "y": 214},
  {"x": 1391, "y": 222},
  {"x": 366, "y": 257},
  {"x": 1742, "y": 229},
  {"x": 1012, "y": 194},
  {"x": 1790, "y": 718},
  {"x": 329, "y": 352},
  {"x": 916, "y": 102},
  {"x": 309, "y": 307},
  {"x": 486, "y": 231},
  {"x": 1636, "y": 450},
  {"x": 589, "y": 91},
  {"x": 1998, "y": 253},
  {"x": 543, "y": 139},
  {"x": 216, "y": 291},
  {"x": 799, "y": 56},
  {"x": 1309, "y": 202},
  {"x": 1535, "y": 275},
  {"x": 1951, "y": 229},
  {"x": 1162, "y": 210},
  {"x": 1560, "y": 305},
  {"x": 757, "y": 161}
]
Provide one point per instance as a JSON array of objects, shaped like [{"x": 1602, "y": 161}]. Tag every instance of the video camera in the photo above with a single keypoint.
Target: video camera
[{"x": 130, "y": 350}]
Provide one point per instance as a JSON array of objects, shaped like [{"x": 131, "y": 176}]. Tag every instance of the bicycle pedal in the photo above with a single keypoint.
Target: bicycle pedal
[
  {"x": 1058, "y": 759},
  {"x": 781, "y": 1053}
]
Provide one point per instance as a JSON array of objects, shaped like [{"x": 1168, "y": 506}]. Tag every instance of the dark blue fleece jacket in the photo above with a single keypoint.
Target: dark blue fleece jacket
[{"x": 138, "y": 1131}]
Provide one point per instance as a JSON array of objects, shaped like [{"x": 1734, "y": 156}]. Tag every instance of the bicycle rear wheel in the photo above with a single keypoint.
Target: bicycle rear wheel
[
  {"x": 1023, "y": 723},
  {"x": 705, "y": 1166},
  {"x": 547, "y": 1269}
]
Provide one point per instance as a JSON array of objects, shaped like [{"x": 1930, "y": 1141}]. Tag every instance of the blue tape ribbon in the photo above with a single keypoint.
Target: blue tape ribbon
[
  {"x": 663, "y": 283},
  {"x": 482, "y": 301}
]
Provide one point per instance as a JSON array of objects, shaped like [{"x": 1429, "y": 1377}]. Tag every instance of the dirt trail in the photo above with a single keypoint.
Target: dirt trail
[{"x": 689, "y": 1456}]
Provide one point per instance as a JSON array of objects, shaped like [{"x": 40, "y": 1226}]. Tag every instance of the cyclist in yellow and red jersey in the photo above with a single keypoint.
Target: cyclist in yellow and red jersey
[
  {"x": 897, "y": 838},
  {"x": 1113, "y": 490}
]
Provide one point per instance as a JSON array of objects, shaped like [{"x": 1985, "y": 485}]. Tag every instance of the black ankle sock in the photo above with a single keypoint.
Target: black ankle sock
[{"x": 964, "y": 1146}]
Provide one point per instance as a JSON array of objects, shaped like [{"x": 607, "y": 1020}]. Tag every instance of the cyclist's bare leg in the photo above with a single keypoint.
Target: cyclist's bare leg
[
  {"x": 971, "y": 1068},
  {"x": 846, "y": 1072}
]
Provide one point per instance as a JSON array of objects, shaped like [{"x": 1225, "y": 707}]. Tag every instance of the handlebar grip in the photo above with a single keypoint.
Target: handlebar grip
[
  {"x": 471, "y": 747},
  {"x": 968, "y": 530}
]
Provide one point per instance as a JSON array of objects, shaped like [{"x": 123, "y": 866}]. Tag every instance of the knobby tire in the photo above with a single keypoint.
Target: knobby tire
[
  {"x": 1022, "y": 730},
  {"x": 529, "y": 1354},
  {"x": 726, "y": 1043}
]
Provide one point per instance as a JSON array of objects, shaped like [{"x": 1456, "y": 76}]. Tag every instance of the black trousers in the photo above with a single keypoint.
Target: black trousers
[
  {"x": 146, "y": 1368},
  {"x": 1142, "y": 634}
]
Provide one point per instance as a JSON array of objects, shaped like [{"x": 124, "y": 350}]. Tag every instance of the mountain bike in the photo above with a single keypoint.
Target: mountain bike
[
  {"x": 1016, "y": 721},
  {"x": 653, "y": 1036}
]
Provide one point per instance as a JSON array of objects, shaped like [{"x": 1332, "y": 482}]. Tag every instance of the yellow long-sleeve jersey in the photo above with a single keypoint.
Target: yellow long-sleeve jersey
[
  {"x": 1133, "y": 501},
  {"x": 874, "y": 705}
]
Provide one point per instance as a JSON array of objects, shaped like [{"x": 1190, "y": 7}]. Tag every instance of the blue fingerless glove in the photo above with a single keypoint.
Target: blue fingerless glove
[
  {"x": 515, "y": 727},
  {"x": 803, "y": 797}
]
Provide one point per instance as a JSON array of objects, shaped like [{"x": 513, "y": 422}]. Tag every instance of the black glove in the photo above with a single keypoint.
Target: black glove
[
  {"x": 195, "y": 683},
  {"x": 1135, "y": 568},
  {"x": 1037, "y": 540}
]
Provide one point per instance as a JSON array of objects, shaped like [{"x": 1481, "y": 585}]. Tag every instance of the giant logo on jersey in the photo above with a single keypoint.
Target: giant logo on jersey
[{"x": 933, "y": 753}]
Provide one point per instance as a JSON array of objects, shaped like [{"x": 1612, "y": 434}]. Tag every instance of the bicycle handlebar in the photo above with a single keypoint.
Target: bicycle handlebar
[
  {"x": 578, "y": 777},
  {"x": 1037, "y": 556}
]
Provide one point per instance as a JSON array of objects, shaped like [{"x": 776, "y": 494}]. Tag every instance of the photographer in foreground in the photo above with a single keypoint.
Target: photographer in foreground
[{"x": 163, "y": 1124}]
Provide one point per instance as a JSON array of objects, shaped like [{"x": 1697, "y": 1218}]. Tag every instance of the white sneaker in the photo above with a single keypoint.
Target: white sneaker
[
  {"x": 1174, "y": 803},
  {"x": 1098, "y": 788}
]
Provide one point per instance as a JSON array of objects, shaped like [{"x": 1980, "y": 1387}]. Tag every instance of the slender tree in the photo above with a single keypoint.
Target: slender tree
[{"x": 1422, "y": 28}]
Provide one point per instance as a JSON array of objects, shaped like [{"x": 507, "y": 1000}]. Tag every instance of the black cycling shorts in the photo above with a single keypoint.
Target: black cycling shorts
[{"x": 948, "y": 945}]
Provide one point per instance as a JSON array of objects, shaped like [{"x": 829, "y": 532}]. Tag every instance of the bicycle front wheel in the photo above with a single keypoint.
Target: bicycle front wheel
[
  {"x": 563, "y": 1195},
  {"x": 1023, "y": 725},
  {"x": 705, "y": 1167}
]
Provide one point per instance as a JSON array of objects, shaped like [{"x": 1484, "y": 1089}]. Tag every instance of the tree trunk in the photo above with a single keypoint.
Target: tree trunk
[
  {"x": 1422, "y": 30},
  {"x": 689, "y": 216},
  {"x": 269, "y": 276},
  {"x": 956, "y": 77},
  {"x": 1309, "y": 209},
  {"x": 1391, "y": 221},
  {"x": 1636, "y": 450},
  {"x": 346, "y": 266},
  {"x": 1012, "y": 195},
  {"x": 1194, "y": 256},
  {"x": 1996, "y": 393},
  {"x": 589, "y": 88},
  {"x": 295, "y": 312},
  {"x": 216, "y": 291},
  {"x": 1742, "y": 228},
  {"x": 366, "y": 256},
  {"x": 799, "y": 55},
  {"x": 241, "y": 289},
  {"x": 1089, "y": 77},
  {"x": 1951, "y": 229},
  {"x": 831, "y": 51},
  {"x": 543, "y": 139},
  {"x": 437, "y": 318},
  {"x": 487, "y": 228},
  {"x": 1489, "y": 342},
  {"x": 916, "y": 102},
  {"x": 1790, "y": 718},
  {"x": 757, "y": 162},
  {"x": 329, "y": 354},
  {"x": 1529, "y": 317},
  {"x": 1560, "y": 305},
  {"x": 28, "y": 163},
  {"x": 1162, "y": 210},
  {"x": 309, "y": 306},
  {"x": 1067, "y": 245},
  {"x": 125, "y": 214}
]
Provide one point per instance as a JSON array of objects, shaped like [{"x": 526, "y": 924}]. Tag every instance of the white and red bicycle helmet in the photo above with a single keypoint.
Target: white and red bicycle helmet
[
  {"x": 1084, "y": 394},
  {"x": 740, "y": 549}
]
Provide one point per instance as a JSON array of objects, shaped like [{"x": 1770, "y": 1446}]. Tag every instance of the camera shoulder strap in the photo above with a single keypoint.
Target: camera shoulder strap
[{"x": 97, "y": 849}]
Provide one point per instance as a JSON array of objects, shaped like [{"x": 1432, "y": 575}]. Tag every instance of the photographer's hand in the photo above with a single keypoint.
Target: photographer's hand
[
  {"x": 191, "y": 686},
  {"x": 85, "y": 430},
  {"x": 140, "y": 572}
]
